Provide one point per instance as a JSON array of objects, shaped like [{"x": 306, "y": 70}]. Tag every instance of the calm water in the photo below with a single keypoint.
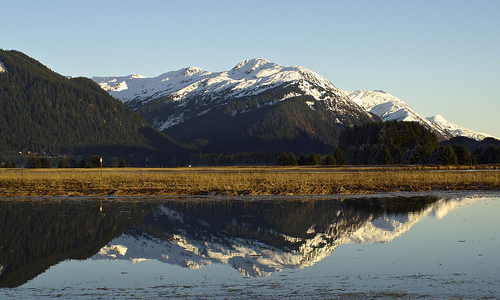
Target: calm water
[{"x": 432, "y": 246}]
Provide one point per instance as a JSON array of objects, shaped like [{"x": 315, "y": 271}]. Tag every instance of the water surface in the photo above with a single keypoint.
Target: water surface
[{"x": 427, "y": 246}]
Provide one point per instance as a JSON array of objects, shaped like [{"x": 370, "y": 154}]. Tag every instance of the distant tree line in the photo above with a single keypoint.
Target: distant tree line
[
  {"x": 382, "y": 143},
  {"x": 487, "y": 155},
  {"x": 243, "y": 158},
  {"x": 267, "y": 158},
  {"x": 8, "y": 164},
  {"x": 289, "y": 159},
  {"x": 93, "y": 161}
]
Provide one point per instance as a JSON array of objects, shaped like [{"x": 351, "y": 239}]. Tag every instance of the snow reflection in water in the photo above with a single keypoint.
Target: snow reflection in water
[{"x": 314, "y": 249}]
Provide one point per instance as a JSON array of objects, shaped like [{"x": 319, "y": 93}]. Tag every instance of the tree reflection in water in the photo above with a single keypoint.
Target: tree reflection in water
[{"x": 257, "y": 236}]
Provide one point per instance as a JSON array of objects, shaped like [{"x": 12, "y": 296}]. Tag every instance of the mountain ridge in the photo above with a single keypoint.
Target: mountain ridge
[
  {"x": 257, "y": 75},
  {"x": 391, "y": 108},
  {"x": 260, "y": 104},
  {"x": 248, "y": 77}
]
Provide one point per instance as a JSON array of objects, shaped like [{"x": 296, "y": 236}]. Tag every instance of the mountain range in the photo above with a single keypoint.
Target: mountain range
[
  {"x": 256, "y": 107},
  {"x": 175, "y": 101}
]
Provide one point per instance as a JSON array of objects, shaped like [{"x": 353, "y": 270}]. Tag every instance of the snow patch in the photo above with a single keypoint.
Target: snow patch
[
  {"x": 204, "y": 112},
  {"x": 386, "y": 106},
  {"x": 120, "y": 86},
  {"x": 133, "y": 76},
  {"x": 113, "y": 251},
  {"x": 171, "y": 214},
  {"x": 311, "y": 105},
  {"x": 3, "y": 69},
  {"x": 172, "y": 120}
]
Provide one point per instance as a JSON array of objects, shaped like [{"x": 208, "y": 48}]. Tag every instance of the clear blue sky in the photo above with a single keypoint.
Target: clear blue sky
[{"x": 441, "y": 57}]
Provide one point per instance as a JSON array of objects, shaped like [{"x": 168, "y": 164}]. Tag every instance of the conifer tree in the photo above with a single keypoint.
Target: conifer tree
[
  {"x": 339, "y": 157},
  {"x": 63, "y": 162},
  {"x": 292, "y": 159},
  {"x": 449, "y": 156},
  {"x": 45, "y": 162},
  {"x": 330, "y": 160},
  {"x": 122, "y": 163}
]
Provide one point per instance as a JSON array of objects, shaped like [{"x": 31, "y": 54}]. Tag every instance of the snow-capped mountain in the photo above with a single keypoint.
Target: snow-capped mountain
[
  {"x": 391, "y": 108},
  {"x": 267, "y": 253},
  {"x": 258, "y": 105},
  {"x": 248, "y": 78},
  {"x": 455, "y": 130},
  {"x": 242, "y": 104},
  {"x": 386, "y": 106}
]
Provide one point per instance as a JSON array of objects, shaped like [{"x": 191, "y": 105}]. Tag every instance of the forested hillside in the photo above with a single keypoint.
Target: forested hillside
[{"x": 44, "y": 112}]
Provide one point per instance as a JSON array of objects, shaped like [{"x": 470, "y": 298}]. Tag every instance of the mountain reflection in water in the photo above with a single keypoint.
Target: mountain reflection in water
[{"x": 257, "y": 237}]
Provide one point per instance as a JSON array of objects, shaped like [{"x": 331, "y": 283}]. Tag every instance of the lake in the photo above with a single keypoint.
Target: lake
[{"x": 423, "y": 245}]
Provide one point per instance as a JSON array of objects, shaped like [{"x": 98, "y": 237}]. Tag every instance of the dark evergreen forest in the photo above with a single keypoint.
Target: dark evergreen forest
[
  {"x": 411, "y": 143},
  {"x": 46, "y": 113}
]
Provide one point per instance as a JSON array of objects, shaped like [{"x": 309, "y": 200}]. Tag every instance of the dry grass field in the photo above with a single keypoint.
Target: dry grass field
[{"x": 244, "y": 180}]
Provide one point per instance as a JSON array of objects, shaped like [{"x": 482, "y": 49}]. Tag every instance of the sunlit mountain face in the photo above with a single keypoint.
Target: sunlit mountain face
[{"x": 258, "y": 105}]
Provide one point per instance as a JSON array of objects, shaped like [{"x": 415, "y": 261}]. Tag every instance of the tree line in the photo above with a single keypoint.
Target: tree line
[
  {"x": 93, "y": 161},
  {"x": 370, "y": 144},
  {"x": 289, "y": 159},
  {"x": 377, "y": 143},
  {"x": 395, "y": 142}
]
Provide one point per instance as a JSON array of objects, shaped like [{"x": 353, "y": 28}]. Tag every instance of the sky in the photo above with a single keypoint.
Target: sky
[{"x": 441, "y": 57}]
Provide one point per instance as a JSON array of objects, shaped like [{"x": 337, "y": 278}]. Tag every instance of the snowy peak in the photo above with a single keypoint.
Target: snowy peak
[
  {"x": 250, "y": 65},
  {"x": 386, "y": 106},
  {"x": 191, "y": 71},
  {"x": 438, "y": 119},
  {"x": 254, "y": 89},
  {"x": 249, "y": 77},
  {"x": 456, "y": 130}
]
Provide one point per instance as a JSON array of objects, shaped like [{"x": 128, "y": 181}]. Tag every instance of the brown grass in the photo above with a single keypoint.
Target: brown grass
[{"x": 243, "y": 181}]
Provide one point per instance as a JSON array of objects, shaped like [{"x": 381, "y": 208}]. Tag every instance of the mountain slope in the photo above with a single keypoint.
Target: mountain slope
[
  {"x": 257, "y": 105},
  {"x": 390, "y": 108},
  {"x": 44, "y": 112}
]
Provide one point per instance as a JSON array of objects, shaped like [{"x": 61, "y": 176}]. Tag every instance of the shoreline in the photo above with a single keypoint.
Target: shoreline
[{"x": 251, "y": 181}]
